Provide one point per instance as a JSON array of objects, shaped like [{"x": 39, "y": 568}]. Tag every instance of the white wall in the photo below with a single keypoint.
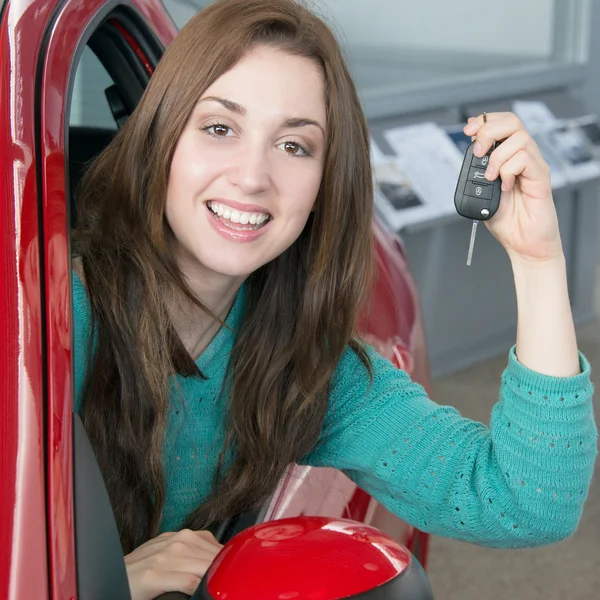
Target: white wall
[
  {"x": 182, "y": 11},
  {"x": 503, "y": 27},
  {"x": 522, "y": 27}
]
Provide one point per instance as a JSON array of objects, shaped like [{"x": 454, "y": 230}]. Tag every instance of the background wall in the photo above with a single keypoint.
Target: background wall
[
  {"x": 456, "y": 25},
  {"x": 590, "y": 90}
]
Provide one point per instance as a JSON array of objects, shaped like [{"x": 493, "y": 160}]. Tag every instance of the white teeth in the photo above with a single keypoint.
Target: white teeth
[{"x": 237, "y": 216}]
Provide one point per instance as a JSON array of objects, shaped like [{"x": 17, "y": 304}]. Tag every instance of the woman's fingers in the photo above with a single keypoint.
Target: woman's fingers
[
  {"x": 180, "y": 543},
  {"x": 200, "y": 539},
  {"x": 517, "y": 156},
  {"x": 498, "y": 127},
  {"x": 520, "y": 140},
  {"x": 170, "y": 562},
  {"x": 522, "y": 164}
]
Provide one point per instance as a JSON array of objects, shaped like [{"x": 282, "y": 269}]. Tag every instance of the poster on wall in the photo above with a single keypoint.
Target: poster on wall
[
  {"x": 399, "y": 198},
  {"x": 563, "y": 143},
  {"x": 396, "y": 200},
  {"x": 417, "y": 183}
]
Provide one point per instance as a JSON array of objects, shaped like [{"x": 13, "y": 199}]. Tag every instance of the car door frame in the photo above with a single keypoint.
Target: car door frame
[
  {"x": 23, "y": 552},
  {"x": 65, "y": 38}
]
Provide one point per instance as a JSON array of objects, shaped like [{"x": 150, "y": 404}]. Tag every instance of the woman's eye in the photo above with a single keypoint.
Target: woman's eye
[
  {"x": 217, "y": 130},
  {"x": 294, "y": 149}
]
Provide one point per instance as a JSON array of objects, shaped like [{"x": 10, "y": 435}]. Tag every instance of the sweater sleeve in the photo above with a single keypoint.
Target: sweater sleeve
[{"x": 522, "y": 482}]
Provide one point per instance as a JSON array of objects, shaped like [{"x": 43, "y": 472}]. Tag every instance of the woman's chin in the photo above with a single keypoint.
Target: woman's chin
[{"x": 240, "y": 268}]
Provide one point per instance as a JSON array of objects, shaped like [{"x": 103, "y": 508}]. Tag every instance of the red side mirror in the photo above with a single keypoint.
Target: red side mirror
[{"x": 314, "y": 558}]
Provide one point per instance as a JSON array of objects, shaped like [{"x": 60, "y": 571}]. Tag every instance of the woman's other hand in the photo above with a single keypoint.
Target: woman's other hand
[
  {"x": 526, "y": 223},
  {"x": 171, "y": 562}
]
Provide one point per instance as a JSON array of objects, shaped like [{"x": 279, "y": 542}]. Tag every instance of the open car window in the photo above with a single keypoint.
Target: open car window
[
  {"x": 112, "y": 72},
  {"x": 89, "y": 106}
]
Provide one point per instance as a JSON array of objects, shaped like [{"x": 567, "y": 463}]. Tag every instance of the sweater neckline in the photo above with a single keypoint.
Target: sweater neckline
[
  {"x": 233, "y": 322},
  {"x": 223, "y": 335}
]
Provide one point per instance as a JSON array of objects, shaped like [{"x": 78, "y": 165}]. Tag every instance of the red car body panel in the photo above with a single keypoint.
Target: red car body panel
[
  {"x": 62, "y": 42},
  {"x": 289, "y": 550},
  {"x": 23, "y": 562},
  {"x": 38, "y": 39}
]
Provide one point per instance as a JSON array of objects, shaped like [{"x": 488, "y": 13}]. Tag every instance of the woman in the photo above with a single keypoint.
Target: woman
[{"x": 223, "y": 253}]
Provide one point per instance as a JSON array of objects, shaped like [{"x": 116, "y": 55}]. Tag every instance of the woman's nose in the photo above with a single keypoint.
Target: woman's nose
[{"x": 252, "y": 173}]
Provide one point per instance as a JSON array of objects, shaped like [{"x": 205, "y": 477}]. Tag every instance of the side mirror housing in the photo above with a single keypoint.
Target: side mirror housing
[{"x": 314, "y": 558}]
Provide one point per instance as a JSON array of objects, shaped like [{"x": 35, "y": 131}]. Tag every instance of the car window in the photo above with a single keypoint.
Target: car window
[
  {"x": 109, "y": 81},
  {"x": 89, "y": 106}
]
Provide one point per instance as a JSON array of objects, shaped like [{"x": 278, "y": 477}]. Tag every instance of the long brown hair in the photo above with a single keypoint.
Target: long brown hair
[{"x": 300, "y": 309}]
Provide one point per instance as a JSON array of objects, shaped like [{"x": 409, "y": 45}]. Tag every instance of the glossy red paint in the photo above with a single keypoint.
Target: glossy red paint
[
  {"x": 65, "y": 36},
  {"x": 23, "y": 565},
  {"x": 310, "y": 557}
]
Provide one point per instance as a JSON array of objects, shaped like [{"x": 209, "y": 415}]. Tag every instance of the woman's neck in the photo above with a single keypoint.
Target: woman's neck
[{"x": 217, "y": 292}]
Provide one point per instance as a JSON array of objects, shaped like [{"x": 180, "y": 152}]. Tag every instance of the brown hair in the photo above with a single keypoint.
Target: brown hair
[{"x": 310, "y": 295}]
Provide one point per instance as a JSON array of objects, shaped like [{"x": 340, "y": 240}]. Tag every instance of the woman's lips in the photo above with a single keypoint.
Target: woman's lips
[{"x": 234, "y": 231}]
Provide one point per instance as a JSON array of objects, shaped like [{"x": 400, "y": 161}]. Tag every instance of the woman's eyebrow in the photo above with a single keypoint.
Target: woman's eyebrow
[
  {"x": 302, "y": 122},
  {"x": 239, "y": 109},
  {"x": 228, "y": 104}
]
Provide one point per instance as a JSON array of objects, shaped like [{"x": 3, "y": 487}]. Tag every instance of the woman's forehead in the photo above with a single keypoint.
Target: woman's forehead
[{"x": 269, "y": 80}]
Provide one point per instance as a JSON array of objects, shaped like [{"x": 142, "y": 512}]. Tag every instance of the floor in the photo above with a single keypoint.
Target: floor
[{"x": 569, "y": 569}]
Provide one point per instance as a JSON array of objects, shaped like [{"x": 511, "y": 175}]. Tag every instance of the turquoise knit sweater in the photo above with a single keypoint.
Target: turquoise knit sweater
[{"x": 522, "y": 482}]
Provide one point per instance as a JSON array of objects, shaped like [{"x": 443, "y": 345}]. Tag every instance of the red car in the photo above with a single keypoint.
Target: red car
[{"x": 56, "y": 532}]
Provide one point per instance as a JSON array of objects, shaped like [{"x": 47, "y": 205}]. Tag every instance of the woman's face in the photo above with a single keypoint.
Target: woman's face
[{"x": 248, "y": 165}]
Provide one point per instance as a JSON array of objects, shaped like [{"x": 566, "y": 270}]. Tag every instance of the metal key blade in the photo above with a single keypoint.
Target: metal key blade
[{"x": 472, "y": 243}]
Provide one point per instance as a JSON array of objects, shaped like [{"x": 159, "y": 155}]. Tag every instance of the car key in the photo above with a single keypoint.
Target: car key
[{"x": 475, "y": 197}]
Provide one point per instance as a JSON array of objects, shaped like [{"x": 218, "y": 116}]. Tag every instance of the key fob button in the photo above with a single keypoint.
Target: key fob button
[
  {"x": 473, "y": 207},
  {"x": 474, "y": 193},
  {"x": 477, "y": 174},
  {"x": 480, "y": 162},
  {"x": 475, "y": 190}
]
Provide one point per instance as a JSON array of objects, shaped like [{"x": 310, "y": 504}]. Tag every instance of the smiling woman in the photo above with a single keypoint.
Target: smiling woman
[
  {"x": 250, "y": 113},
  {"x": 256, "y": 152},
  {"x": 225, "y": 251}
]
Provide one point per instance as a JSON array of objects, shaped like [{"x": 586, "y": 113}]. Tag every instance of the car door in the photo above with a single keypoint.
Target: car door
[
  {"x": 24, "y": 567},
  {"x": 84, "y": 554}
]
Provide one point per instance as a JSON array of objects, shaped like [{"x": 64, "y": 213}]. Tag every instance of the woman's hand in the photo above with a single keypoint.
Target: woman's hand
[
  {"x": 171, "y": 562},
  {"x": 526, "y": 223}
]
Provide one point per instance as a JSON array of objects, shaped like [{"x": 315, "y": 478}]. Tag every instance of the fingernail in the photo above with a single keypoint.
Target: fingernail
[
  {"x": 477, "y": 149},
  {"x": 488, "y": 174}
]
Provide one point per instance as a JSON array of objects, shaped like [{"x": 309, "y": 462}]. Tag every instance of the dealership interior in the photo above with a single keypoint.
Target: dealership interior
[{"x": 422, "y": 68}]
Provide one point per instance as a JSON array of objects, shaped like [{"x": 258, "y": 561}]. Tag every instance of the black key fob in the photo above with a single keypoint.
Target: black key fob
[{"x": 476, "y": 197}]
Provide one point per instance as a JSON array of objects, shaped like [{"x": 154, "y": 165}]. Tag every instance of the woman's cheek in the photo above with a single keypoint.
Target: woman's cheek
[
  {"x": 303, "y": 180},
  {"x": 310, "y": 185}
]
